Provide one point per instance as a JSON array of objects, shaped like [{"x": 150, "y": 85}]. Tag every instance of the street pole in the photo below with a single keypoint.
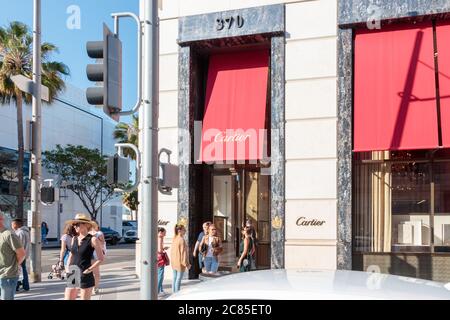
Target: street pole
[
  {"x": 58, "y": 215},
  {"x": 150, "y": 152},
  {"x": 141, "y": 148},
  {"x": 36, "y": 147}
]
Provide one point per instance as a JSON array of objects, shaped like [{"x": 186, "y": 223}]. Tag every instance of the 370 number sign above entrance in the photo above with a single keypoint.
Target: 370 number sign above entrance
[{"x": 228, "y": 23}]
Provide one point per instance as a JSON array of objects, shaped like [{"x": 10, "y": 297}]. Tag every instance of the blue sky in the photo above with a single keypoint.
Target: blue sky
[{"x": 72, "y": 42}]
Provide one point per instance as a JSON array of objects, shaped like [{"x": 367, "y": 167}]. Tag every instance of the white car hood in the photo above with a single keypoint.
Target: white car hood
[{"x": 313, "y": 284}]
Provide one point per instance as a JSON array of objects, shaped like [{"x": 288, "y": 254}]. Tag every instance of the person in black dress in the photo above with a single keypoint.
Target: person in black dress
[{"x": 81, "y": 256}]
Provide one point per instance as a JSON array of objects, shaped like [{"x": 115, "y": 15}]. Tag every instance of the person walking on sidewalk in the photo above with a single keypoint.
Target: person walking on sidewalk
[
  {"x": 179, "y": 257},
  {"x": 44, "y": 232},
  {"x": 249, "y": 225},
  {"x": 66, "y": 242},
  {"x": 12, "y": 255},
  {"x": 197, "y": 247},
  {"x": 101, "y": 237},
  {"x": 212, "y": 249},
  {"x": 245, "y": 247},
  {"x": 81, "y": 255},
  {"x": 163, "y": 259},
  {"x": 24, "y": 235}
]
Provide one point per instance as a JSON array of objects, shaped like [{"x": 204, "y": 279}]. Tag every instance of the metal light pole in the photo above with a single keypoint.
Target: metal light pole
[
  {"x": 36, "y": 147},
  {"x": 150, "y": 152},
  {"x": 141, "y": 148}
]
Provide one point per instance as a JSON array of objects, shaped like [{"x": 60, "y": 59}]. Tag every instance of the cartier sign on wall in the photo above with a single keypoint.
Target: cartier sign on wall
[
  {"x": 311, "y": 220},
  {"x": 306, "y": 222}
]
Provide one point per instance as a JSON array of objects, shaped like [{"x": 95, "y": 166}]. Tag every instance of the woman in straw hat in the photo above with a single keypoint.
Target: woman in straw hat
[{"x": 81, "y": 256}]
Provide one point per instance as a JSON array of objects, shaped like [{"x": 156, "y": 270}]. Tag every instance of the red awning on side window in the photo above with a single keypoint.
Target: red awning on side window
[
  {"x": 235, "y": 107},
  {"x": 394, "y": 89}
]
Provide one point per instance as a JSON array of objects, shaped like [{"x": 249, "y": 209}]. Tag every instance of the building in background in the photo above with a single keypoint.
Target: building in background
[{"x": 68, "y": 120}]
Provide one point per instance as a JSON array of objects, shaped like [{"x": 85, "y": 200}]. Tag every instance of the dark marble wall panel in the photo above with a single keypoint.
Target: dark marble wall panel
[
  {"x": 258, "y": 20},
  {"x": 360, "y": 11},
  {"x": 344, "y": 148},
  {"x": 184, "y": 141},
  {"x": 277, "y": 151}
]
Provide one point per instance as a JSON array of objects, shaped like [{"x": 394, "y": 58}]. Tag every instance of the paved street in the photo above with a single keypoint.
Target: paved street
[
  {"x": 118, "y": 281},
  {"x": 122, "y": 252}
]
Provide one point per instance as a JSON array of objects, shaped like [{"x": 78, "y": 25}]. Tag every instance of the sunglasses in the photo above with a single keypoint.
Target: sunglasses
[{"x": 77, "y": 224}]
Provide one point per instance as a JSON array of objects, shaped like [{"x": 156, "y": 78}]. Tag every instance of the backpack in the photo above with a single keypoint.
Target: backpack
[{"x": 163, "y": 259}]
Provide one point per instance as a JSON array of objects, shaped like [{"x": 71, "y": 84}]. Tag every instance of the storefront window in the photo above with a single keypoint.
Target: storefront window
[
  {"x": 8, "y": 181},
  {"x": 441, "y": 177},
  {"x": 401, "y": 201},
  {"x": 411, "y": 195}
]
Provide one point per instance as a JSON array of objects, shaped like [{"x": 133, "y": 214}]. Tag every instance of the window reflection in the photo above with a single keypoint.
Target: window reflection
[
  {"x": 411, "y": 206},
  {"x": 392, "y": 201},
  {"x": 441, "y": 178},
  {"x": 8, "y": 180}
]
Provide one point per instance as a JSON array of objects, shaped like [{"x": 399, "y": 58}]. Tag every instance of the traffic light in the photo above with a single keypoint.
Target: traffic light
[
  {"x": 118, "y": 171},
  {"x": 108, "y": 71},
  {"x": 48, "y": 195}
]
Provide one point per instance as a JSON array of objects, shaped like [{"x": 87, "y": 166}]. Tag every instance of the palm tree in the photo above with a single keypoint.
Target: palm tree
[
  {"x": 129, "y": 133},
  {"x": 16, "y": 58}
]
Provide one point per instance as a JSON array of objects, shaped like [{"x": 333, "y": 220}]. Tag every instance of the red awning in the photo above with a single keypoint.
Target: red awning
[
  {"x": 394, "y": 89},
  {"x": 235, "y": 107},
  {"x": 443, "y": 49}
]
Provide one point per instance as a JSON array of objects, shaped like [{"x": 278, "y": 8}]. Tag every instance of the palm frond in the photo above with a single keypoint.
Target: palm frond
[
  {"x": 128, "y": 133},
  {"x": 16, "y": 42},
  {"x": 47, "y": 49}
]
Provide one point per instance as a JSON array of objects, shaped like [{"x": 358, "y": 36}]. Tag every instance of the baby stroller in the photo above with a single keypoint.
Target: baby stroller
[{"x": 58, "y": 271}]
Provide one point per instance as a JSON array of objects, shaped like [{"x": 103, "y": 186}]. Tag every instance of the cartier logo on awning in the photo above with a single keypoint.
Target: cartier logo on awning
[
  {"x": 304, "y": 222},
  {"x": 234, "y": 120}
]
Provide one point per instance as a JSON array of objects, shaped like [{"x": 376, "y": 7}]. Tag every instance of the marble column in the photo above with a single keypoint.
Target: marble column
[
  {"x": 277, "y": 207},
  {"x": 344, "y": 149}
]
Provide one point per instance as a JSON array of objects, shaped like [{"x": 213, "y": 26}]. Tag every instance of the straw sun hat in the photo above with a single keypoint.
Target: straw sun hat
[{"x": 82, "y": 218}]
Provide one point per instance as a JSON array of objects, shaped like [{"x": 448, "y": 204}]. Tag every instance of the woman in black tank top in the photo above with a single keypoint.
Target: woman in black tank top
[
  {"x": 83, "y": 253},
  {"x": 80, "y": 259}
]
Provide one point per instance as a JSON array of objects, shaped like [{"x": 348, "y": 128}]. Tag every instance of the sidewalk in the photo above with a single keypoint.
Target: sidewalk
[
  {"x": 118, "y": 282},
  {"x": 51, "y": 244}
]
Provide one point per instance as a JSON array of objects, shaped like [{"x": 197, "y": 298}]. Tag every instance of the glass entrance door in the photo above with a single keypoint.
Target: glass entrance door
[
  {"x": 256, "y": 203},
  {"x": 224, "y": 217},
  {"x": 241, "y": 194}
]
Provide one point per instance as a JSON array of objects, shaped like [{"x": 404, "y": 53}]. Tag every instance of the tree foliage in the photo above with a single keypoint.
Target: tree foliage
[
  {"x": 130, "y": 199},
  {"x": 83, "y": 171},
  {"x": 128, "y": 133}
]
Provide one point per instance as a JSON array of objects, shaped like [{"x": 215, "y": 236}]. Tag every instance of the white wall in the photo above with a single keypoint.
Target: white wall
[
  {"x": 311, "y": 119},
  {"x": 311, "y": 163},
  {"x": 168, "y": 109}
]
